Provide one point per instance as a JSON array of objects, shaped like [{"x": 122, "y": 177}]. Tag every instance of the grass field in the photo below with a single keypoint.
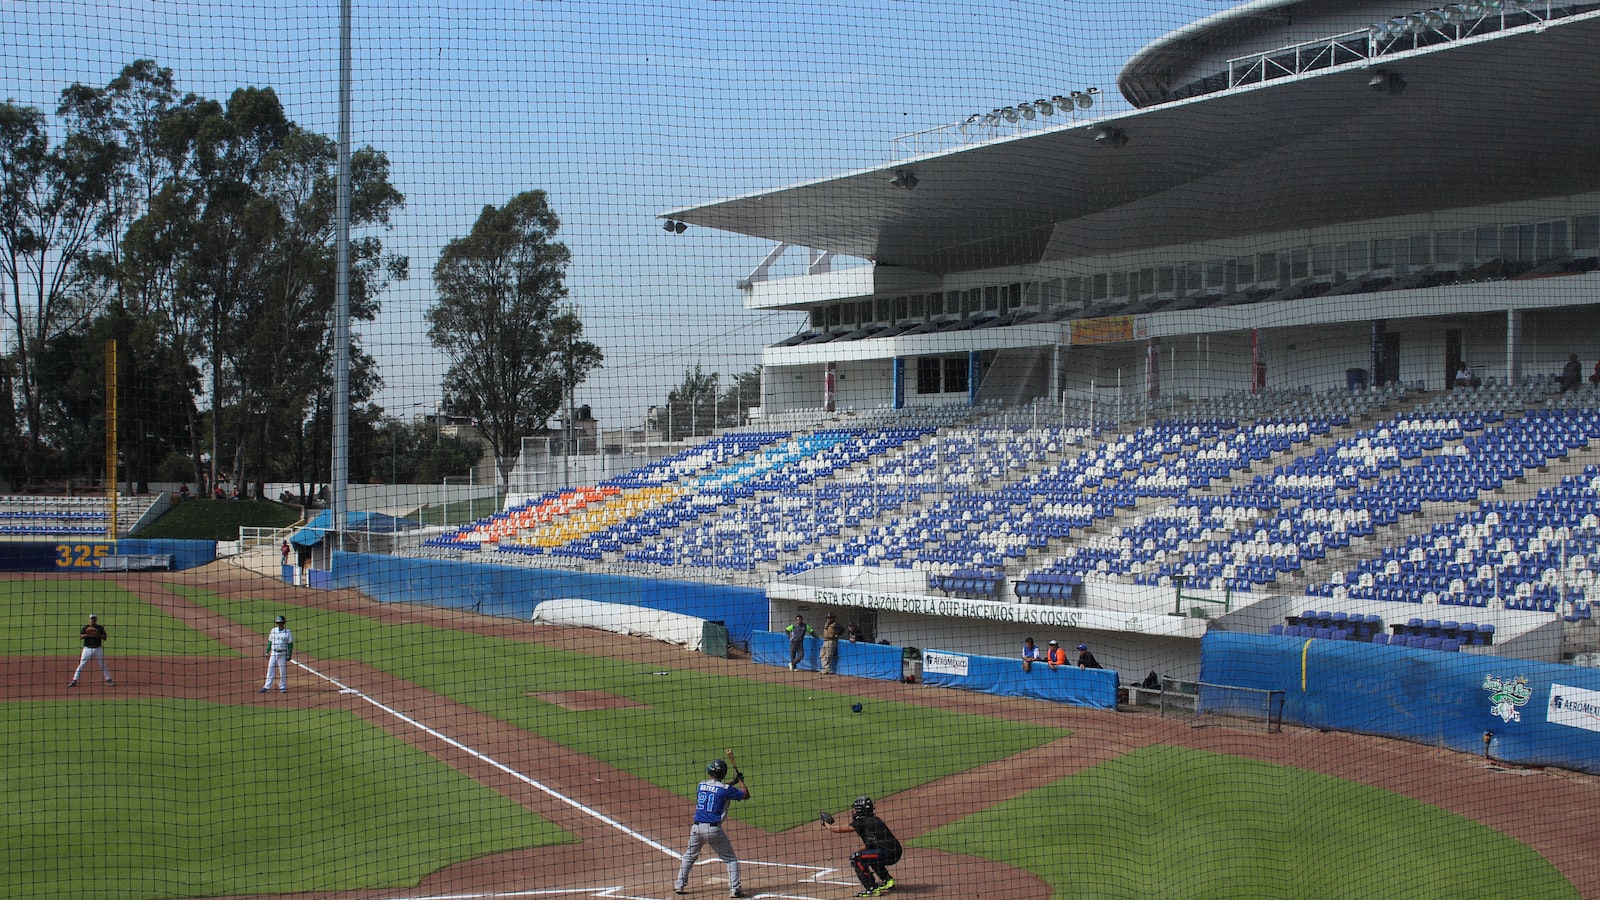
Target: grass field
[
  {"x": 1156, "y": 822},
  {"x": 1175, "y": 822}
]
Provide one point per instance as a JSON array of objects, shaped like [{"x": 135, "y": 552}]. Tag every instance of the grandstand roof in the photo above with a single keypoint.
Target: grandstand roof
[{"x": 1482, "y": 120}]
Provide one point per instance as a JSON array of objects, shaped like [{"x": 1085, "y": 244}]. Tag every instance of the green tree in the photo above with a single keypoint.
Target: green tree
[
  {"x": 513, "y": 351},
  {"x": 55, "y": 209},
  {"x": 743, "y": 393},
  {"x": 694, "y": 405}
]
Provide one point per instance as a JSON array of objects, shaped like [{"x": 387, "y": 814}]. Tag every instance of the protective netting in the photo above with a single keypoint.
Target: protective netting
[{"x": 736, "y": 386}]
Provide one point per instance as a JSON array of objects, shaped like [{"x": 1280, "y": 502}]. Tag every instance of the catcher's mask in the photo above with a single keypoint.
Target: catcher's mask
[
  {"x": 862, "y": 806},
  {"x": 717, "y": 769}
]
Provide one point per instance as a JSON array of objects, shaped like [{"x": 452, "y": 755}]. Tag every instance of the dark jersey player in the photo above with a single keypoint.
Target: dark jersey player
[{"x": 878, "y": 852}]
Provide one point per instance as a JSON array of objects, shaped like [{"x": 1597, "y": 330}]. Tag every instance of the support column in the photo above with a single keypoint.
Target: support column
[
  {"x": 1513, "y": 346},
  {"x": 897, "y": 378}
]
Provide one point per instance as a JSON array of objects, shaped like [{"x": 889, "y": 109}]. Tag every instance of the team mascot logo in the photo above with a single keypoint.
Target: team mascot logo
[{"x": 1506, "y": 697}]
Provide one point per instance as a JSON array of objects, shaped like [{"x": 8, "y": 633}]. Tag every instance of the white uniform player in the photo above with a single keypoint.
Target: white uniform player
[{"x": 280, "y": 649}]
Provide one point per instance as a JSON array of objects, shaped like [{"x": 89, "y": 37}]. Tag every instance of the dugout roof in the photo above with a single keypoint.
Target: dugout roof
[{"x": 1501, "y": 117}]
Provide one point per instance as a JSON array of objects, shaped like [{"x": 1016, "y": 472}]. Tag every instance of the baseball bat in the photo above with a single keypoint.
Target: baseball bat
[{"x": 731, "y": 762}]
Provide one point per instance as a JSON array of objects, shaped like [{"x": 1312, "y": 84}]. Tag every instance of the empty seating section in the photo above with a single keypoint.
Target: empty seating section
[
  {"x": 37, "y": 516},
  {"x": 1237, "y": 493}
]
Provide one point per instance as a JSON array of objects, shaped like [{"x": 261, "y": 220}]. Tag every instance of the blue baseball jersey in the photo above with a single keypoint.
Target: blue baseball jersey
[{"x": 712, "y": 799}]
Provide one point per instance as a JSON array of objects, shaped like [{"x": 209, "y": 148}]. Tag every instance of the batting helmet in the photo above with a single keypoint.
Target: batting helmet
[
  {"x": 862, "y": 806},
  {"x": 717, "y": 769}
]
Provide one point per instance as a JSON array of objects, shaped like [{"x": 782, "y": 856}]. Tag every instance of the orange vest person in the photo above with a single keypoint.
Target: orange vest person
[{"x": 1055, "y": 656}]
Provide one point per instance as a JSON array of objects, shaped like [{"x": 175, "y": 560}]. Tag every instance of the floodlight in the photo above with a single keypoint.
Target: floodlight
[
  {"x": 904, "y": 179},
  {"x": 1494, "y": 5},
  {"x": 1455, "y": 14},
  {"x": 1027, "y": 111},
  {"x": 1415, "y": 23},
  {"x": 974, "y": 119},
  {"x": 990, "y": 119},
  {"x": 1008, "y": 113},
  {"x": 1473, "y": 8},
  {"x": 1045, "y": 107},
  {"x": 1062, "y": 102},
  {"x": 1434, "y": 18}
]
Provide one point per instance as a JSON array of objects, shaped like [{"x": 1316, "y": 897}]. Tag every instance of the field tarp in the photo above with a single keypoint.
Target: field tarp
[
  {"x": 1532, "y": 713},
  {"x": 1096, "y": 688},
  {"x": 514, "y": 591},
  {"x": 619, "y": 618},
  {"x": 881, "y": 661}
]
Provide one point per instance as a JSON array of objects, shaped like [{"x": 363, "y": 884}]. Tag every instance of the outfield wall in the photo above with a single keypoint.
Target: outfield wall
[
  {"x": 1534, "y": 713},
  {"x": 74, "y": 555},
  {"x": 513, "y": 591}
]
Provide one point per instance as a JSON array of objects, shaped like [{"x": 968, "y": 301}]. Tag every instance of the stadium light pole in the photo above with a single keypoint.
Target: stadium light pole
[{"x": 341, "y": 307}]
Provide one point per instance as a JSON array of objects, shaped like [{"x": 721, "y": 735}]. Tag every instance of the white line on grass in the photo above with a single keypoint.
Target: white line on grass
[{"x": 609, "y": 892}]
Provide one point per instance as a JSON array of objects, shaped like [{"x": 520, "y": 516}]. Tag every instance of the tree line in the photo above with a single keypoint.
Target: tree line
[{"x": 199, "y": 235}]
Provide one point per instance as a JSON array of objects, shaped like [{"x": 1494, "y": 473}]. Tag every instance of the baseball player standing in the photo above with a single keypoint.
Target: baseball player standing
[
  {"x": 710, "y": 806},
  {"x": 93, "y": 636},
  {"x": 280, "y": 649}
]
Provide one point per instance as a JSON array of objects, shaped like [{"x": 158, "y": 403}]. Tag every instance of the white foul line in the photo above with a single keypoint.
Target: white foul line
[{"x": 498, "y": 765}]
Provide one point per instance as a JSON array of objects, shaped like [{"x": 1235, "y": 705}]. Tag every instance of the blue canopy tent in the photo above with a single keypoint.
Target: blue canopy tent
[{"x": 370, "y": 522}]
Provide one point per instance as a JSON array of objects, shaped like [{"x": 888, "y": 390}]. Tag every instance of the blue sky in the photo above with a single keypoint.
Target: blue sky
[{"x": 620, "y": 110}]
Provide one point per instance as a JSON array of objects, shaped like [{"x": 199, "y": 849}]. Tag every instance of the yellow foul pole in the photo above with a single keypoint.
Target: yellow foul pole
[{"x": 111, "y": 438}]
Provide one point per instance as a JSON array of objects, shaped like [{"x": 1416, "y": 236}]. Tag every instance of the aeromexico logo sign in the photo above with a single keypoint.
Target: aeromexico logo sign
[{"x": 1574, "y": 706}]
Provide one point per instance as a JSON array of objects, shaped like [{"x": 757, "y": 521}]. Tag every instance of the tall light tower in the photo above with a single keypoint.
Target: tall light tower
[{"x": 341, "y": 308}]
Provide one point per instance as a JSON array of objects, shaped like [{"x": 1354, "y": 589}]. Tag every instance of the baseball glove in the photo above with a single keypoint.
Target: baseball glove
[{"x": 825, "y": 818}]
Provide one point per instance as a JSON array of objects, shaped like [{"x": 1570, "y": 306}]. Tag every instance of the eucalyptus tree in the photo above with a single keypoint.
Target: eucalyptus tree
[{"x": 514, "y": 351}]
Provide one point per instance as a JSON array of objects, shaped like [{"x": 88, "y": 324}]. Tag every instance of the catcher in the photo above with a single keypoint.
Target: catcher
[{"x": 880, "y": 849}]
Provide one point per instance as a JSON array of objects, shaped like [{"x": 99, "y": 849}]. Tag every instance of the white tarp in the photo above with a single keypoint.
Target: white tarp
[{"x": 673, "y": 628}]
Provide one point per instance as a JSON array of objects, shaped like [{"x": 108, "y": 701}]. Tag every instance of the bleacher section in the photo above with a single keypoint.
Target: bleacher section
[
  {"x": 1348, "y": 496},
  {"x": 26, "y": 516}
]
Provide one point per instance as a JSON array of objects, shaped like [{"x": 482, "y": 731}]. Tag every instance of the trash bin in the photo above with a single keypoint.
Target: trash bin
[
  {"x": 714, "y": 639},
  {"x": 1355, "y": 379}
]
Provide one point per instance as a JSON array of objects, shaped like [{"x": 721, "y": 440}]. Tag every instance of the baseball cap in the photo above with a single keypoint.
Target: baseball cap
[
  {"x": 281, "y": 619},
  {"x": 1055, "y": 642},
  {"x": 93, "y": 616},
  {"x": 1083, "y": 646},
  {"x": 830, "y": 615}
]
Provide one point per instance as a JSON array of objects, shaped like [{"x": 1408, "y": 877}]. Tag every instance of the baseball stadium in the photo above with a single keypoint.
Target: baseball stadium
[{"x": 718, "y": 448}]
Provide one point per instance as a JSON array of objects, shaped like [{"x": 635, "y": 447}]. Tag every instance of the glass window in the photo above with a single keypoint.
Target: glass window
[
  {"x": 1119, "y": 285},
  {"x": 1072, "y": 291},
  {"x": 928, "y": 369},
  {"x": 1487, "y": 244},
  {"x": 1193, "y": 278},
  {"x": 1586, "y": 232},
  {"x": 819, "y": 317},
  {"x": 1216, "y": 273},
  {"x": 1447, "y": 246},
  {"x": 955, "y": 374},
  {"x": 991, "y": 298},
  {"x": 1147, "y": 282},
  {"x": 849, "y": 315},
  {"x": 1013, "y": 295},
  {"x": 833, "y": 316},
  {"x": 1164, "y": 279},
  {"x": 900, "y": 308},
  {"x": 1300, "y": 264},
  {"x": 919, "y": 307},
  {"x": 1099, "y": 289},
  {"x": 1267, "y": 266},
  {"x": 1247, "y": 270},
  {"x": 936, "y": 303},
  {"x": 1322, "y": 260},
  {"x": 1421, "y": 250},
  {"x": 972, "y": 301},
  {"x": 1383, "y": 253}
]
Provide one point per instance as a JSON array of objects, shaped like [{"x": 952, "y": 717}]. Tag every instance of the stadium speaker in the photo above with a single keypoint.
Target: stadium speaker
[
  {"x": 1110, "y": 137},
  {"x": 1386, "y": 82}
]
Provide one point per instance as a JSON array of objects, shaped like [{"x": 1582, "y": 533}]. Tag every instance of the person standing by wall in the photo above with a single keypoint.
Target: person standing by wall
[
  {"x": 831, "y": 632},
  {"x": 1030, "y": 654},
  {"x": 710, "y": 808},
  {"x": 280, "y": 649},
  {"x": 797, "y": 641},
  {"x": 93, "y": 636},
  {"x": 1086, "y": 659}
]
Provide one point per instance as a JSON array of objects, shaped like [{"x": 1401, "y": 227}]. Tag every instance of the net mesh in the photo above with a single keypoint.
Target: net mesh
[{"x": 616, "y": 451}]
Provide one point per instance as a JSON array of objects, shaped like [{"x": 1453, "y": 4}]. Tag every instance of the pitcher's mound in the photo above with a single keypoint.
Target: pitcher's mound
[{"x": 580, "y": 701}]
